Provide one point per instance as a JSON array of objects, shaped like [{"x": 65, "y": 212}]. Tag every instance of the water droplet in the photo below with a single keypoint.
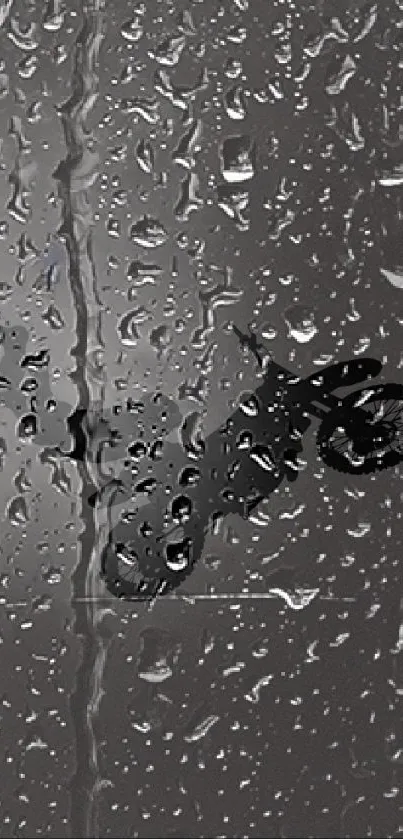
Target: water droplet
[
  {"x": 161, "y": 338},
  {"x": 394, "y": 277},
  {"x": 238, "y": 159},
  {"x": 201, "y": 729},
  {"x": 52, "y": 576},
  {"x": 177, "y": 555},
  {"x": 127, "y": 329},
  {"x": 137, "y": 450},
  {"x": 235, "y": 104},
  {"x": 145, "y": 156},
  {"x": 264, "y": 457},
  {"x": 181, "y": 509},
  {"x": 17, "y": 511},
  {"x": 6, "y": 290},
  {"x": 148, "y": 233},
  {"x": 338, "y": 75},
  {"x": 249, "y": 405},
  {"x": 53, "y": 318},
  {"x": 27, "y": 427},
  {"x": 169, "y": 51},
  {"x": 301, "y": 323},
  {"x": 133, "y": 29}
]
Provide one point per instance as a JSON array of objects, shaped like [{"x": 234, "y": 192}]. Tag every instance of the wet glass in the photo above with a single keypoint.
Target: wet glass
[{"x": 201, "y": 418}]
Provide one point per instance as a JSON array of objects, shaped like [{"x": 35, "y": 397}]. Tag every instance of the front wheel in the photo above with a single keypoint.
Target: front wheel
[{"x": 366, "y": 433}]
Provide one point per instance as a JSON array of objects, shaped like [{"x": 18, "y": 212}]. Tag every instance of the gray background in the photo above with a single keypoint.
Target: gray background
[{"x": 270, "y": 720}]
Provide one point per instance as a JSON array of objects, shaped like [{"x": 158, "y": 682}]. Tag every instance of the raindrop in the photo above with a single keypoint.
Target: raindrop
[
  {"x": 235, "y": 104},
  {"x": 249, "y": 405},
  {"x": 263, "y": 456},
  {"x": 160, "y": 338},
  {"x": 137, "y": 450},
  {"x": 244, "y": 440},
  {"x": 338, "y": 78},
  {"x": 36, "y": 362},
  {"x": 301, "y": 323},
  {"x": 52, "y": 576},
  {"x": 145, "y": 156},
  {"x": 178, "y": 555},
  {"x": 27, "y": 427},
  {"x": 202, "y": 729},
  {"x": 17, "y": 511},
  {"x": 148, "y": 233},
  {"x": 132, "y": 30},
  {"x": 169, "y": 51},
  {"x": 394, "y": 277},
  {"x": 238, "y": 159},
  {"x": 190, "y": 476},
  {"x": 53, "y": 318},
  {"x": 127, "y": 330},
  {"x": 6, "y": 291},
  {"x": 181, "y": 509},
  {"x": 29, "y": 385}
]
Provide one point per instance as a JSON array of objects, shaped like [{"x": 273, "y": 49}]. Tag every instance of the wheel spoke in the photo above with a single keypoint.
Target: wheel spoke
[
  {"x": 381, "y": 432},
  {"x": 341, "y": 439},
  {"x": 127, "y": 576},
  {"x": 378, "y": 409},
  {"x": 343, "y": 451},
  {"x": 394, "y": 407}
]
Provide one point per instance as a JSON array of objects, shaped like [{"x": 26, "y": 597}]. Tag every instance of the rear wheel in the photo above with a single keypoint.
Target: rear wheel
[
  {"x": 366, "y": 433},
  {"x": 149, "y": 565}
]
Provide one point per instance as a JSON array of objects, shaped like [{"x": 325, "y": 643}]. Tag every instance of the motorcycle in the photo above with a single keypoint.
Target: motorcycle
[{"x": 192, "y": 486}]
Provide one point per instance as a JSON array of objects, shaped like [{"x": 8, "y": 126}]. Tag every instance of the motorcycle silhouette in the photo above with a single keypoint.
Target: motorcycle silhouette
[{"x": 194, "y": 484}]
